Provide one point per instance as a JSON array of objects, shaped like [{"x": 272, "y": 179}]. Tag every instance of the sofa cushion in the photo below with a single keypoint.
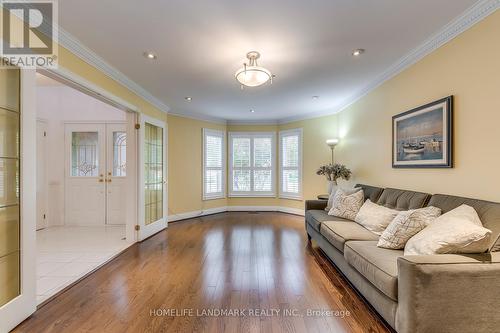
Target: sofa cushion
[
  {"x": 316, "y": 217},
  {"x": 489, "y": 213},
  {"x": 371, "y": 192},
  {"x": 337, "y": 233},
  {"x": 377, "y": 265},
  {"x": 457, "y": 231},
  {"x": 402, "y": 199}
]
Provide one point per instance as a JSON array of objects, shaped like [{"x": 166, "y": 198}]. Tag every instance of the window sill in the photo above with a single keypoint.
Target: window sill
[
  {"x": 251, "y": 195},
  {"x": 291, "y": 197},
  {"x": 214, "y": 197}
]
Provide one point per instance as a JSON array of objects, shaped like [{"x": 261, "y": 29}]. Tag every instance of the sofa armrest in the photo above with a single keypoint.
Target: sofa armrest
[
  {"x": 316, "y": 204},
  {"x": 448, "y": 293}
]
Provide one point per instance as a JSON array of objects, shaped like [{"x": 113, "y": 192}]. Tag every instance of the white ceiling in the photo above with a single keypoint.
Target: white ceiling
[{"x": 307, "y": 44}]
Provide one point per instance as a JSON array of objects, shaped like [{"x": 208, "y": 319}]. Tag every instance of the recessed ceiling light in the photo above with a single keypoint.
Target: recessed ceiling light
[
  {"x": 252, "y": 110},
  {"x": 149, "y": 55},
  {"x": 188, "y": 98},
  {"x": 358, "y": 52},
  {"x": 315, "y": 97}
]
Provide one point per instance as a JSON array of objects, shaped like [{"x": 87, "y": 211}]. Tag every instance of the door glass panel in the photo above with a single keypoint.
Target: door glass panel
[
  {"x": 84, "y": 154},
  {"x": 9, "y": 133},
  {"x": 153, "y": 173},
  {"x": 9, "y": 187},
  {"x": 119, "y": 154}
]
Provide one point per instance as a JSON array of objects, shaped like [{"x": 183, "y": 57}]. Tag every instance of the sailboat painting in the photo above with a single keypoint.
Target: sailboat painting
[{"x": 423, "y": 137}]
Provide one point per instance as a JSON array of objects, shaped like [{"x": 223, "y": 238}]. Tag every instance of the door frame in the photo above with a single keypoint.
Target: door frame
[
  {"x": 132, "y": 112},
  {"x": 45, "y": 181},
  {"x": 145, "y": 231}
]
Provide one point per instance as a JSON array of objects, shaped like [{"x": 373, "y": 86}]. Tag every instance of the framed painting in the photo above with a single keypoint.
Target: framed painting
[{"x": 423, "y": 137}]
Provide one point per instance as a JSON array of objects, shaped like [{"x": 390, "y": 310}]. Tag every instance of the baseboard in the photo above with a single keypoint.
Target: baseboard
[
  {"x": 196, "y": 213},
  {"x": 199, "y": 213}
]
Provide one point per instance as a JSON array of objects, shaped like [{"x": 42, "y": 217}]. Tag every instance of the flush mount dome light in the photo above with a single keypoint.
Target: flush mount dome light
[{"x": 251, "y": 74}]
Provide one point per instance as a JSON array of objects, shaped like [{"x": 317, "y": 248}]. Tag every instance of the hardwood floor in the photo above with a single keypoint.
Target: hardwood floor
[{"x": 226, "y": 261}]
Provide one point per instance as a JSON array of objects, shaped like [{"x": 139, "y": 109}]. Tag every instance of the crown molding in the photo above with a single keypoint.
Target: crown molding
[
  {"x": 479, "y": 11},
  {"x": 252, "y": 122},
  {"x": 209, "y": 119},
  {"x": 469, "y": 18},
  {"x": 76, "y": 47}
]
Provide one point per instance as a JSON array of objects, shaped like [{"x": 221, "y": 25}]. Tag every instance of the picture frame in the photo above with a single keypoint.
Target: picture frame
[{"x": 423, "y": 137}]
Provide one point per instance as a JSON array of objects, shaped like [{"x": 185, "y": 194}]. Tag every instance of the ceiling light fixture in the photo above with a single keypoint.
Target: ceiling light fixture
[
  {"x": 149, "y": 55},
  {"x": 251, "y": 74},
  {"x": 252, "y": 110},
  {"x": 315, "y": 97},
  {"x": 358, "y": 52},
  {"x": 188, "y": 98}
]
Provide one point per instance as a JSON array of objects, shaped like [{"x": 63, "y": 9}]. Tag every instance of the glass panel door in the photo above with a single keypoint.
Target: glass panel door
[
  {"x": 153, "y": 176},
  {"x": 153, "y": 171},
  {"x": 17, "y": 196},
  {"x": 10, "y": 275}
]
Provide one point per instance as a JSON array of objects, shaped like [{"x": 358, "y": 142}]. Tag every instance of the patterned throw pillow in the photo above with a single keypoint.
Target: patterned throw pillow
[
  {"x": 348, "y": 191},
  {"x": 347, "y": 205},
  {"x": 405, "y": 225},
  {"x": 375, "y": 217}
]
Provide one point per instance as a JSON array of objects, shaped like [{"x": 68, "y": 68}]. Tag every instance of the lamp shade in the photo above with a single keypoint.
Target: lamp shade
[
  {"x": 252, "y": 76},
  {"x": 332, "y": 142}
]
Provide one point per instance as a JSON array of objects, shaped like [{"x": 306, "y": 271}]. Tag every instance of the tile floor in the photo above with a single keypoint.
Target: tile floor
[{"x": 65, "y": 254}]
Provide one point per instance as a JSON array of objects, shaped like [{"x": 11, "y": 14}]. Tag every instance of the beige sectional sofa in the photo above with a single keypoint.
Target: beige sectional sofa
[{"x": 433, "y": 293}]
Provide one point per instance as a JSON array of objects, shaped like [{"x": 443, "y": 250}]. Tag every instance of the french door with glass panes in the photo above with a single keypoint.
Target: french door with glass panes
[
  {"x": 152, "y": 177},
  {"x": 95, "y": 188}
]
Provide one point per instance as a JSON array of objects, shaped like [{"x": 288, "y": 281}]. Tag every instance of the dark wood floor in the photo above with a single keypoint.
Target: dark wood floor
[{"x": 225, "y": 261}]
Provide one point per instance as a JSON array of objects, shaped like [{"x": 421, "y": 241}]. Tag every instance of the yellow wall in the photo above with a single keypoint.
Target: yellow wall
[
  {"x": 468, "y": 67},
  {"x": 185, "y": 164}
]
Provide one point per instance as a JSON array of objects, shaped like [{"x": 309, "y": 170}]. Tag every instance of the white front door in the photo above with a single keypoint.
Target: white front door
[
  {"x": 95, "y": 186},
  {"x": 41, "y": 175},
  {"x": 152, "y": 177}
]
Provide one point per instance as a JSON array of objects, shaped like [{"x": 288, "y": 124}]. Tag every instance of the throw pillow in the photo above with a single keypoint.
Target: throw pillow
[
  {"x": 405, "y": 225},
  {"x": 348, "y": 191},
  {"x": 458, "y": 231},
  {"x": 375, "y": 217},
  {"x": 346, "y": 205}
]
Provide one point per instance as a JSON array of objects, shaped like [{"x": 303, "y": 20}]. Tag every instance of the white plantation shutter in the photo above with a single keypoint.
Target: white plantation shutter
[
  {"x": 214, "y": 164},
  {"x": 251, "y": 164},
  {"x": 291, "y": 164}
]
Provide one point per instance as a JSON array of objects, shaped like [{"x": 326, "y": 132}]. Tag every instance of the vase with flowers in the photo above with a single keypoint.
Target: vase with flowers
[{"x": 332, "y": 172}]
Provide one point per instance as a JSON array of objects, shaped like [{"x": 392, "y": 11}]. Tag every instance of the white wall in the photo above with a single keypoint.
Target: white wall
[{"x": 57, "y": 105}]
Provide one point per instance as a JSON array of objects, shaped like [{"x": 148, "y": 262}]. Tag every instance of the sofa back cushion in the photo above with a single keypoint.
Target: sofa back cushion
[
  {"x": 489, "y": 213},
  {"x": 371, "y": 192},
  {"x": 403, "y": 200}
]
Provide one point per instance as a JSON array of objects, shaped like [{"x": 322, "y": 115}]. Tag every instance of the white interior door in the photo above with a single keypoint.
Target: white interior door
[
  {"x": 152, "y": 177},
  {"x": 116, "y": 181},
  {"x": 85, "y": 186},
  {"x": 41, "y": 175}
]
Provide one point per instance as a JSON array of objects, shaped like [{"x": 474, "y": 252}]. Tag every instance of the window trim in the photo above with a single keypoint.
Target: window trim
[
  {"x": 282, "y": 134},
  {"x": 252, "y": 136},
  {"x": 222, "y": 135}
]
